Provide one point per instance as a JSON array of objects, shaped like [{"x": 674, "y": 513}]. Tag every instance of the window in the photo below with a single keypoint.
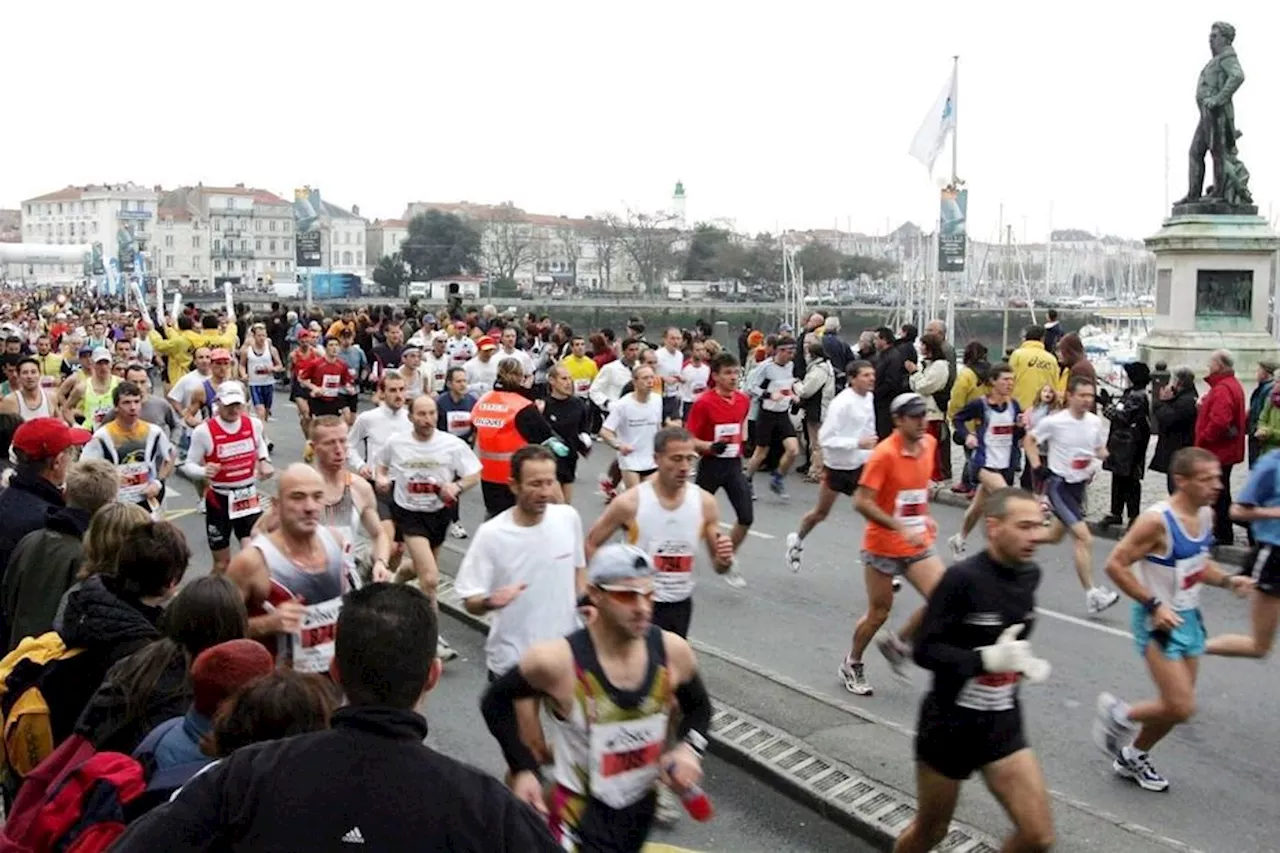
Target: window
[
  {"x": 337, "y": 258},
  {"x": 346, "y": 259},
  {"x": 217, "y": 266},
  {"x": 60, "y": 207},
  {"x": 137, "y": 205},
  {"x": 359, "y": 259},
  {"x": 195, "y": 263},
  {"x": 93, "y": 208},
  {"x": 272, "y": 266},
  {"x": 244, "y": 245},
  {"x": 95, "y": 228},
  {"x": 217, "y": 224},
  {"x": 273, "y": 225},
  {"x": 257, "y": 245},
  {"x": 287, "y": 244},
  {"x": 241, "y": 224},
  {"x": 168, "y": 241},
  {"x": 244, "y": 265},
  {"x": 195, "y": 241},
  {"x": 288, "y": 265},
  {"x": 261, "y": 225},
  {"x": 287, "y": 226},
  {"x": 217, "y": 245},
  {"x": 273, "y": 247},
  {"x": 168, "y": 261}
]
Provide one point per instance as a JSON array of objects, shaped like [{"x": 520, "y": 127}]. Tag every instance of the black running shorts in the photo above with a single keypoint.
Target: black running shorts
[{"x": 956, "y": 742}]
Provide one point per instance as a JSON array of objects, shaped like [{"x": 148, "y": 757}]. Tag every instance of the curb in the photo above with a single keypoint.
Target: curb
[
  {"x": 871, "y": 810},
  {"x": 1233, "y": 554}
]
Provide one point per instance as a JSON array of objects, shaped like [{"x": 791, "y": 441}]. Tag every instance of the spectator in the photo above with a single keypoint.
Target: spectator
[
  {"x": 282, "y": 795},
  {"x": 815, "y": 393},
  {"x": 892, "y": 376},
  {"x": 279, "y": 705},
  {"x": 9, "y": 424},
  {"x": 970, "y": 384},
  {"x": 45, "y": 562},
  {"x": 1052, "y": 331},
  {"x": 1220, "y": 429},
  {"x": 927, "y": 382},
  {"x": 1174, "y": 415},
  {"x": 1267, "y": 430},
  {"x": 1127, "y": 442},
  {"x": 943, "y": 398},
  {"x": 1033, "y": 367},
  {"x": 838, "y": 352},
  {"x": 1074, "y": 363},
  {"x": 1258, "y": 400}
]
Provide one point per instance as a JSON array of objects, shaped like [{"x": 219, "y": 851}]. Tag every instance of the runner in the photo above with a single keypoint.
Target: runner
[
  {"x": 30, "y": 399},
  {"x": 893, "y": 496},
  {"x": 774, "y": 384},
  {"x": 631, "y": 425},
  {"x": 669, "y": 367},
  {"x": 89, "y": 402},
  {"x": 300, "y": 361},
  {"x": 228, "y": 451},
  {"x": 613, "y": 685},
  {"x": 435, "y": 364},
  {"x": 847, "y": 437},
  {"x": 971, "y": 720},
  {"x": 695, "y": 376},
  {"x": 293, "y": 578},
  {"x": 370, "y": 433},
  {"x": 358, "y": 365},
  {"x": 139, "y": 450},
  {"x": 1171, "y": 544},
  {"x": 569, "y": 418},
  {"x": 51, "y": 363},
  {"x": 667, "y": 516},
  {"x": 260, "y": 363},
  {"x": 425, "y": 470},
  {"x": 482, "y": 371},
  {"x": 417, "y": 381},
  {"x": 1076, "y": 451},
  {"x": 526, "y": 567},
  {"x": 329, "y": 381},
  {"x": 582, "y": 368},
  {"x": 455, "y": 404},
  {"x": 460, "y": 348},
  {"x": 202, "y": 402},
  {"x": 994, "y": 447}
]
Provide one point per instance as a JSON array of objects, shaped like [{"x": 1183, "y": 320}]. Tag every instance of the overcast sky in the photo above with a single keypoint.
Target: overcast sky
[{"x": 795, "y": 115}]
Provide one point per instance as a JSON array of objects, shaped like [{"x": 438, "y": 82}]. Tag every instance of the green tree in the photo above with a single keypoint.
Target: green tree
[
  {"x": 819, "y": 261},
  {"x": 390, "y": 275},
  {"x": 763, "y": 260},
  {"x": 440, "y": 244},
  {"x": 855, "y": 266},
  {"x": 707, "y": 245},
  {"x": 647, "y": 238},
  {"x": 505, "y": 288}
]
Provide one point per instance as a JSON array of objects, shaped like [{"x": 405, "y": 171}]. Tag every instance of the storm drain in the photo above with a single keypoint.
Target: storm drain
[{"x": 875, "y": 807}]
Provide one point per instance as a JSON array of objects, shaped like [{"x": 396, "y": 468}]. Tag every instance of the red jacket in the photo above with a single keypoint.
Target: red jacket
[{"x": 1221, "y": 410}]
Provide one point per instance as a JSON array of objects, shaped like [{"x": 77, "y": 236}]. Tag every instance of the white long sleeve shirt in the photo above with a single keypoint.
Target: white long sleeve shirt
[
  {"x": 851, "y": 417},
  {"x": 607, "y": 387},
  {"x": 372, "y": 430},
  {"x": 202, "y": 446}
]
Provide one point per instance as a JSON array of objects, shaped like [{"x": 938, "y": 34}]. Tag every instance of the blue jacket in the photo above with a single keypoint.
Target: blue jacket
[{"x": 23, "y": 506}]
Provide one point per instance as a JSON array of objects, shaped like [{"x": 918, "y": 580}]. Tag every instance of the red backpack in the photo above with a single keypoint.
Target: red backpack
[{"x": 73, "y": 802}]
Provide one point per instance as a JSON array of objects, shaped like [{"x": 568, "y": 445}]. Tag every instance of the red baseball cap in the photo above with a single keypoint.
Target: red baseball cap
[
  {"x": 44, "y": 438},
  {"x": 220, "y": 354},
  {"x": 486, "y": 342}
]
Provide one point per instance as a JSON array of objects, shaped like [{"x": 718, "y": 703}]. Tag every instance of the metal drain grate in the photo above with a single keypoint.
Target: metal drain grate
[{"x": 867, "y": 806}]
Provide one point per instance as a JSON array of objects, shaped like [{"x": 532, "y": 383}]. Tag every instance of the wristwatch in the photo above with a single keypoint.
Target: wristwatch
[{"x": 1151, "y": 604}]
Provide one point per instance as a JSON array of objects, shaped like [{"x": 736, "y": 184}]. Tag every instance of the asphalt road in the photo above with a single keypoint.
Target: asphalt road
[{"x": 1221, "y": 765}]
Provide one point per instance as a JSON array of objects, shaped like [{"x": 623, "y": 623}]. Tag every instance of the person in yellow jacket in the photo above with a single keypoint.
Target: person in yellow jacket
[
  {"x": 179, "y": 345},
  {"x": 1033, "y": 367}
]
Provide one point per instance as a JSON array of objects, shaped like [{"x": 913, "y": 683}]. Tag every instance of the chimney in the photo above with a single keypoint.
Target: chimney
[{"x": 355, "y": 210}]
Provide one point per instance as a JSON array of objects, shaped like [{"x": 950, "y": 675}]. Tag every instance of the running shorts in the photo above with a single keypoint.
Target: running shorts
[
  {"x": 1065, "y": 499},
  {"x": 326, "y": 406},
  {"x": 956, "y": 742},
  {"x": 840, "y": 480},
  {"x": 219, "y": 527},
  {"x": 1265, "y": 569},
  {"x": 774, "y": 428},
  {"x": 715, "y": 473},
  {"x": 1006, "y": 474},
  {"x": 673, "y": 616},
  {"x": 670, "y": 408},
  {"x": 431, "y": 526},
  {"x": 262, "y": 395},
  {"x": 894, "y": 566},
  {"x": 1185, "y": 641}
]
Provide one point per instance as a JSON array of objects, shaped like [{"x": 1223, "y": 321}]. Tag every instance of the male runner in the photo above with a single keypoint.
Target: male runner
[
  {"x": 994, "y": 446},
  {"x": 202, "y": 402},
  {"x": 51, "y": 363},
  {"x": 773, "y": 383},
  {"x": 631, "y": 425},
  {"x": 358, "y": 364},
  {"x": 847, "y": 436},
  {"x": 1171, "y": 543},
  {"x": 416, "y": 379},
  {"x": 614, "y": 685},
  {"x": 330, "y": 382},
  {"x": 460, "y": 347},
  {"x": 293, "y": 578},
  {"x": 139, "y": 450},
  {"x": 893, "y": 496},
  {"x": 482, "y": 371},
  {"x": 229, "y": 452},
  {"x": 581, "y": 367},
  {"x": 667, "y": 516},
  {"x": 670, "y": 364},
  {"x": 1076, "y": 451},
  {"x": 30, "y": 399},
  {"x": 300, "y": 361},
  {"x": 369, "y": 434},
  {"x": 260, "y": 363},
  {"x": 435, "y": 364},
  {"x": 695, "y": 376},
  {"x": 88, "y": 402},
  {"x": 425, "y": 470},
  {"x": 972, "y": 719}
]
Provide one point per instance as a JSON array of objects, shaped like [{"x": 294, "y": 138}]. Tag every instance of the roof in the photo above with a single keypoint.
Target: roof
[
  {"x": 73, "y": 193},
  {"x": 333, "y": 211},
  {"x": 65, "y": 194},
  {"x": 178, "y": 214},
  {"x": 389, "y": 223}
]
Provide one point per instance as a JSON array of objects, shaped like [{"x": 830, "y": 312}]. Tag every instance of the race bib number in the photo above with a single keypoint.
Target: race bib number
[
  {"x": 47, "y": 382},
  {"x": 134, "y": 477},
  {"x": 911, "y": 507},
  {"x": 1081, "y": 463},
  {"x": 459, "y": 423},
  {"x": 100, "y": 417},
  {"x": 423, "y": 494},
  {"x": 262, "y": 370},
  {"x": 329, "y": 388},
  {"x": 624, "y": 759},
  {"x": 581, "y": 387},
  {"x": 698, "y": 389},
  {"x": 731, "y": 434},
  {"x": 1000, "y": 435},
  {"x": 672, "y": 557},
  {"x": 244, "y": 502},
  {"x": 312, "y": 646}
]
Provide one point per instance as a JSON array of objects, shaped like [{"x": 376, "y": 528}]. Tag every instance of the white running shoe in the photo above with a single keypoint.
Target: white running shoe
[
  {"x": 1112, "y": 728},
  {"x": 733, "y": 577},
  {"x": 1099, "y": 599},
  {"x": 444, "y": 651},
  {"x": 1136, "y": 765},
  {"x": 896, "y": 653},
  {"x": 956, "y": 541},
  {"x": 855, "y": 678},
  {"x": 795, "y": 547},
  {"x": 457, "y": 531}
]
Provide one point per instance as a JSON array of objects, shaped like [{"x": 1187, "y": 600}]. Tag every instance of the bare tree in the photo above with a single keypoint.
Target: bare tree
[
  {"x": 570, "y": 247},
  {"x": 508, "y": 241},
  {"x": 604, "y": 240},
  {"x": 648, "y": 239}
]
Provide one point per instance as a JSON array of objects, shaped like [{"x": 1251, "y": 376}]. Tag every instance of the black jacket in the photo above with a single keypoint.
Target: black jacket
[
  {"x": 1129, "y": 435},
  {"x": 109, "y": 628},
  {"x": 839, "y": 353},
  {"x": 43, "y": 567},
  {"x": 368, "y": 777},
  {"x": 23, "y": 507},
  {"x": 1175, "y": 424},
  {"x": 110, "y": 721},
  {"x": 892, "y": 378}
]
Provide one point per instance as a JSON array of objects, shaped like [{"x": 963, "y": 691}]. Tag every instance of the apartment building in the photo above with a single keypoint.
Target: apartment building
[
  {"x": 119, "y": 216},
  {"x": 383, "y": 238},
  {"x": 344, "y": 243},
  {"x": 239, "y": 234}
]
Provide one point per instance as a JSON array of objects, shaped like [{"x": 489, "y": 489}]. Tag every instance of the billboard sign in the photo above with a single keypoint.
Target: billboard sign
[
  {"x": 951, "y": 230},
  {"x": 308, "y": 219}
]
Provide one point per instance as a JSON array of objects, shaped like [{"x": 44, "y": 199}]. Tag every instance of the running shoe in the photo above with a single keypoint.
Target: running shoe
[
  {"x": 200, "y": 505},
  {"x": 608, "y": 489},
  {"x": 779, "y": 488},
  {"x": 444, "y": 651},
  {"x": 897, "y": 584},
  {"x": 1099, "y": 599},
  {"x": 457, "y": 531},
  {"x": 956, "y": 541},
  {"x": 1112, "y": 728},
  {"x": 751, "y": 488},
  {"x": 795, "y": 547},
  {"x": 1136, "y": 765},
  {"x": 896, "y": 652},
  {"x": 733, "y": 577},
  {"x": 855, "y": 678}
]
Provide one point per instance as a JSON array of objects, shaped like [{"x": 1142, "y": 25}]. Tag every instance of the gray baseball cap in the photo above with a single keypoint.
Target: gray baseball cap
[
  {"x": 910, "y": 405},
  {"x": 619, "y": 562}
]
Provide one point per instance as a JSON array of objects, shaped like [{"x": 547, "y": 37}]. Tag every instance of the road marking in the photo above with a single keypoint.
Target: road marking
[
  {"x": 664, "y": 848},
  {"x": 175, "y": 514},
  {"x": 756, "y": 533},
  {"x": 1084, "y": 623}
]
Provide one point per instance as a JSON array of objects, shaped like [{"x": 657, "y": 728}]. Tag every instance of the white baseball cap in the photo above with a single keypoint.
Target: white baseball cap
[
  {"x": 230, "y": 393},
  {"x": 102, "y": 354}
]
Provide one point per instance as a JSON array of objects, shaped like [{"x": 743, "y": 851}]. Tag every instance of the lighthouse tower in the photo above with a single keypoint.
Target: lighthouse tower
[{"x": 677, "y": 204}]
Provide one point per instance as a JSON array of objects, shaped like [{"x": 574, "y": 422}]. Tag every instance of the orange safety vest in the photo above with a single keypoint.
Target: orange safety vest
[{"x": 497, "y": 439}]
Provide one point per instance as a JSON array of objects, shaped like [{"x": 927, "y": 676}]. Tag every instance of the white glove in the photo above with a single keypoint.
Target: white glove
[
  {"x": 1009, "y": 654},
  {"x": 585, "y": 439},
  {"x": 1037, "y": 670}
]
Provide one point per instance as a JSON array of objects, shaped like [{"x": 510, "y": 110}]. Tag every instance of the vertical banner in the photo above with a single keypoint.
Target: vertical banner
[
  {"x": 951, "y": 230},
  {"x": 136, "y": 290},
  {"x": 159, "y": 301},
  {"x": 176, "y": 309},
  {"x": 226, "y": 291}
]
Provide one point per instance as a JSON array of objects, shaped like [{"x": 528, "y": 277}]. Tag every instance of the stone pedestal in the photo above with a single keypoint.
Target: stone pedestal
[{"x": 1213, "y": 286}]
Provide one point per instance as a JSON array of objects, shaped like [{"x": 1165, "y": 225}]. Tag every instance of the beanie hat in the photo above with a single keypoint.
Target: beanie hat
[{"x": 221, "y": 670}]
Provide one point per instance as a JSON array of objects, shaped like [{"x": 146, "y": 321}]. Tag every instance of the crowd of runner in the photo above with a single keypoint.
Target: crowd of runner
[{"x": 166, "y": 713}]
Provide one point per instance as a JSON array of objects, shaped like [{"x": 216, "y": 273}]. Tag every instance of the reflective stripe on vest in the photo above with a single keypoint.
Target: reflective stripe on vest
[{"x": 497, "y": 438}]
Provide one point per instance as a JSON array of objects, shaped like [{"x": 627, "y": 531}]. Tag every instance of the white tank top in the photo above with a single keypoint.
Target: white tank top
[
  {"x": 671, "y": 538},
  {"x": 40, "y": 411},
  {"x": 1174, "y": 576},
  {"x": 261, "y": 367},
  {"x": 413, "y": 383}
]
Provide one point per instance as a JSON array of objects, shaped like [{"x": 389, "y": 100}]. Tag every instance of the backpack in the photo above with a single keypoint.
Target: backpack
[
  {"x": 73, "y": 802},
  {"x": 24, "y": 713},
  {"x": 161, "y": 784}
]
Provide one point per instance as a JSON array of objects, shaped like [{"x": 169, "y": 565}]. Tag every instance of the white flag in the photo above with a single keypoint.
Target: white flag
[{"x": 933, "y": 131}]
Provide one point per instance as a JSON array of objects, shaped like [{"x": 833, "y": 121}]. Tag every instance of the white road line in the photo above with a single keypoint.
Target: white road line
[
  {"x": 756, "y": 533},
  {"x": 1084, "y": 623}
]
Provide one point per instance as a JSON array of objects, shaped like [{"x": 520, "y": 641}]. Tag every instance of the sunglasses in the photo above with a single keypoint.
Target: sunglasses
[{"x": 627, "y": 594}]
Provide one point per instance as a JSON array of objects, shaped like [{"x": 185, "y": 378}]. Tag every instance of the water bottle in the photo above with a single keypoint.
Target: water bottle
[{"x": 696, "y": 802}]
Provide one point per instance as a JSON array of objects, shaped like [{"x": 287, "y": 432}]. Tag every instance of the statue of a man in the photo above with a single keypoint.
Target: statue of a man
[{"x": 1216, "y": 131}]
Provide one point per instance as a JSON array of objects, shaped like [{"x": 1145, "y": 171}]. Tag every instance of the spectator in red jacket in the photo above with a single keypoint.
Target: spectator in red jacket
[{"x": 1220, "y": 429}]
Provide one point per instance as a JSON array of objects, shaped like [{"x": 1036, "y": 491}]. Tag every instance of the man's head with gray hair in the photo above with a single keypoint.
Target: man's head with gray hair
[
  {"x": 1221, "y": 361},
  {"x": 832, "y": 324},
  {"x": 936, "y": 327}
]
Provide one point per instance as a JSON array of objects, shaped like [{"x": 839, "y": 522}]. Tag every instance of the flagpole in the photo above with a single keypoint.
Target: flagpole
[{"x": 955, "y": 182}]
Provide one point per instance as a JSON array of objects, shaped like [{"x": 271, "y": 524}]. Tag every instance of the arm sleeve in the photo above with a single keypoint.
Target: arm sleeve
[
  {"x": 1217, "y": 414},
  {"x": 355, "y": 443},
  {"x": 960, "y": 421},
  {"x": 499, "y": 710},
  {"x": 475, "y": 575},
  {"x": 934, "y": 651},
  {"x": 695, "y": 707},
  {"x": 194, "y": 466},
  {"x": 532, "y": 426},
  {"x": 931, "y": 380},
  {"x": 92, "y": 450},
  {"x": 1260, "y": 486}
]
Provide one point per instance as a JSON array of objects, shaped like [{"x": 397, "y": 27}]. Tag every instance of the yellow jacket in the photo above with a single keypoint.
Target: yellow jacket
[
  {"x": 1033, "y": 368},
  {"x": 966, "y": 389},
  {"x": 180, "y": 346}
]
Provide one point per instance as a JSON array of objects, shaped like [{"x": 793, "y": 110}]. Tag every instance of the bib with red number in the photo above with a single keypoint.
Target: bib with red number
[
  {"x": 244, "y": 502},
  {"x": 991, "y": 691},
  {"x": 422, "y": 492},
  {"x": 312, "y": 647},
  {"x": 624, "y": 759},
  {"x": 459, "y": 423},
  {"x": 329, "y": 385},
  {"x": 134, "y": 477},
  {"x": 674, "y": 562},
  {"x": 731, "y": 434},
  {"x": 911, "y": 507}
]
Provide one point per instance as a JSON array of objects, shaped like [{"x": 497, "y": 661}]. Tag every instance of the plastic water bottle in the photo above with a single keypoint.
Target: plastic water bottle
[{"x": 696, "y": 802}]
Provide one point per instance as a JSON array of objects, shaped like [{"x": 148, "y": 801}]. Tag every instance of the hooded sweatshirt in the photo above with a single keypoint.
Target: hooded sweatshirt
[{"x": 42, "y": 568}]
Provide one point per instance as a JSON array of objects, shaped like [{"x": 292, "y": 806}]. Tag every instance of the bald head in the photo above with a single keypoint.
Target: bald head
[
  {"x": 936, "y": 327},
  {"x": 300, "y": 500},
  {"x": 299, "y": 474}
]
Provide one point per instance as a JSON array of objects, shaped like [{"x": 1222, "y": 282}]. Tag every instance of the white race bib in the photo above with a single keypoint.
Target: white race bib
[
  {"x": 911, "y": 507},
  {"x": 731, "y": 434},
  {"x": 423, "y": 493},
  {"x": 329, "y": 388},
  {"x": 624, "y": 759},
  {"x": 134, "y": 477},
  {"x": 243, "y": 502},
  {"x": 47, "y": 382},
  {"x": 312, "y": 646},
  {"x": 459, "y": 422},
  {"x": 581, "y": 387}
]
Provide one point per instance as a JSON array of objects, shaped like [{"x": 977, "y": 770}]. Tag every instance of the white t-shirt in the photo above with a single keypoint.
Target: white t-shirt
[
  {"x": 420, "y": 468},
  {"x": 481, "y": 375},
  {"x": 526, "y": 361},
  {"x": 1073, "y": 444},
  {"x": 546, "y": 557},
  {"x": 185, "y": 388},
  {"x": 636, "y": 424},
  {"x": 670, "y": 364},
  {"x": 693, "y": 380}
]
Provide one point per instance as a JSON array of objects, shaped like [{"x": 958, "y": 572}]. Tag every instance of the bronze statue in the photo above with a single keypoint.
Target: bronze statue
[{"x": 1216, "y": 132}]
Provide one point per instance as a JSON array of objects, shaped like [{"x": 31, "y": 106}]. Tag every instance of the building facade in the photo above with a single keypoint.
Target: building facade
[
  {"x": 121, "y": 217},
  {"x": 383, "y": 238},
  {"x": 344, "y": 241},
  {"x": 239, "y": 234}
]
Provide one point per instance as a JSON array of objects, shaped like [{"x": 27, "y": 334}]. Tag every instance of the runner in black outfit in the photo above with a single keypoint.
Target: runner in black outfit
[{"x": 971, "y": 719}]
